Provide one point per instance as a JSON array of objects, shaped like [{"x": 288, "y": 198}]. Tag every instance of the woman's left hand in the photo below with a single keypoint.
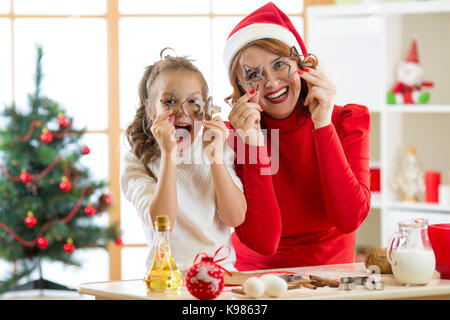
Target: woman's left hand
[
  {"x": 215, "y": 134},
  {"x": 320, "y": 98}
]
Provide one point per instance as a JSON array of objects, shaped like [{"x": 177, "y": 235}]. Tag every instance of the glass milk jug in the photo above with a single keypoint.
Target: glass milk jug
[{"x": 410, "y": 253}]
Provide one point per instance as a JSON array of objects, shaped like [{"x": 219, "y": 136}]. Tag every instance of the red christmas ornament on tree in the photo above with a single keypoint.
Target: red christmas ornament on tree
[
  {"x": 105, "y": 201},
  {"x": 118, "y": 241},
  {"x": 62, "y": 121},
  {"x": 89, "y": 210},
  {"x": 204, "y": 279},
  {"x": 30, "y": 221},
  {"x": 69, "y": 247},
  {"x": 65, "y": 185},
  {"x": 42, "y": 243},
  {"x": 85, "y": 150},
  {"x": 46, "y": 136},
  {"x": 25, "y": 176}
]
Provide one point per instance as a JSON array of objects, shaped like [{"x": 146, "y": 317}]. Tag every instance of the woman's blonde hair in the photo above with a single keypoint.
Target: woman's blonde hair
[
  {"x": 274, "y": 46},
  {"x": 142, "y": 142}
]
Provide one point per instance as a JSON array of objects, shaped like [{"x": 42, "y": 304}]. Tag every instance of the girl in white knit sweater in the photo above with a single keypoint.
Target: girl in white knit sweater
[{"x": 166, "y": 171}]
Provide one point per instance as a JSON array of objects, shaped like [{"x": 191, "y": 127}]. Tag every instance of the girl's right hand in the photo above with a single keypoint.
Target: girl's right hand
[
  {"x": 164, "y": 132},
  {"x": 245, "y": 117}
]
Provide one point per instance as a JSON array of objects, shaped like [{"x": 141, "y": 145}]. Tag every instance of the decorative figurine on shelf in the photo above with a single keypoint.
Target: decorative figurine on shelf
[
  {"x": 409, "y": 180},
  {"x": 410, "y": 83}
]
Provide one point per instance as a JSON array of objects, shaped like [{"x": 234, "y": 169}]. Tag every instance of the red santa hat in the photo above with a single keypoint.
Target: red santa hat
[
  {"x": 266, "y": 22},
  {"x": 413, "y": 56}
]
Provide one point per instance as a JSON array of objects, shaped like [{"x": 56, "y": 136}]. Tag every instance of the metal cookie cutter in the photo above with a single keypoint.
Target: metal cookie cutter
[
  {"x": 350, "y": 283},
  {"x": 355, "y": 280},
  {"x": 373, "y": 284},
  {"x": 291, "y": 277},
  {"x": 347, "y": 284}
]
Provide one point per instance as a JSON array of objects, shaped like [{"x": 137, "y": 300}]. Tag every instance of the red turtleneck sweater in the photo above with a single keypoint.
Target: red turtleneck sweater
[{"x": 307, "y": 212}]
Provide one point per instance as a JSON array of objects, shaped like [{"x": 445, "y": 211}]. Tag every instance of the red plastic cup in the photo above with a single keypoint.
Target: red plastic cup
[
  {"x": 432, "y": 182},
  {"x": 439, "y": 235}
]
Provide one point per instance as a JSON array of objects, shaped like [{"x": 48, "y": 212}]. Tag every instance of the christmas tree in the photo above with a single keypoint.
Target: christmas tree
[{"x": 48, "y": 199}]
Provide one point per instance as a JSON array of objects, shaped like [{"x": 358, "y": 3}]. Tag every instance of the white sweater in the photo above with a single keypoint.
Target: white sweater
[{"x": 198, "y": 227}]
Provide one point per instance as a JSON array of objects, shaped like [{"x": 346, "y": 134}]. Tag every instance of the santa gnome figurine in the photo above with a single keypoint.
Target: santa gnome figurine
[{"x": 410, "y": 83}]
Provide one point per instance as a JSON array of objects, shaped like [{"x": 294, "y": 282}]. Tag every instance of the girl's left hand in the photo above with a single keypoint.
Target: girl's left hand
[
  {"x": 320, "y": 98},
  {"x": 215, "y": 134}
]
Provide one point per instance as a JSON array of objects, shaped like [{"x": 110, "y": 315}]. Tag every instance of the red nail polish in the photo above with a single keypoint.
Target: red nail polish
[
  {"x": 306, "y": 70},
  {"x": 260, "y": 108},
  {"x": 300, "y": 71},
  {"x": 253, "y": 91}
]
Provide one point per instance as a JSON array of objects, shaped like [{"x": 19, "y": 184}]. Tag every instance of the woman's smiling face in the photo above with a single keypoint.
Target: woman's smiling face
[{"x": 279, "y": 89}]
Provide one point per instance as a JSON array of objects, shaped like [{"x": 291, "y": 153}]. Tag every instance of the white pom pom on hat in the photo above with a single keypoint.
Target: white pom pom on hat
[{"x": 266, "y": 22}]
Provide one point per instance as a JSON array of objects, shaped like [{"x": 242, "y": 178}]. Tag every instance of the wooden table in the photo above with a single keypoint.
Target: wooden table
[{"x": 136, "y": 290}]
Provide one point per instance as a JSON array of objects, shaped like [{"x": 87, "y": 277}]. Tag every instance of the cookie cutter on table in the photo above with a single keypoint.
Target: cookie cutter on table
[
  {"x": 355, "y": 280},
  {"x": 347, "y": 286},
  {"x": 291, "y": 277},
  {"x": 373, "y": 284},
  {"x": 349, "y": 283}
]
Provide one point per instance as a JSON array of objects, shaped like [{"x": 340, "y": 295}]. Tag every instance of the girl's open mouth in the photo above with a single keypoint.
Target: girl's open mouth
[{"x": 182, "y": 131}]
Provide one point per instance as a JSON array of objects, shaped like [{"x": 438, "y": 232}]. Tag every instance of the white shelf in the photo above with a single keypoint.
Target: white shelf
[
  {"x": 412, "y": 7},
  {"x": 418, "y": 206},
  {"x": 382, "y": 33},
  {"x": 418, "y": 108}
]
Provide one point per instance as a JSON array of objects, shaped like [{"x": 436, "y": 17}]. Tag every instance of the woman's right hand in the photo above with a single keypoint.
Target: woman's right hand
[
  {"x": 164, "y": 132},
  {"x": 245, "y": 117}
]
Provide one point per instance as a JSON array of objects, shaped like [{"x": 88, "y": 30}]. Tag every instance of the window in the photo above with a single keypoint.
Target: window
[
  {"x": 6, "y": 87},
  {"x": 195, "y": 28},
  {"x": 74, "y": 65},
  {"x": 102, "y": 45},
  {"x": 75, "y": 75}
]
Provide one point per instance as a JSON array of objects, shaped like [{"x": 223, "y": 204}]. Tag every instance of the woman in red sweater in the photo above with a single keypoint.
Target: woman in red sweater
[{"x": 307, "y": 210}]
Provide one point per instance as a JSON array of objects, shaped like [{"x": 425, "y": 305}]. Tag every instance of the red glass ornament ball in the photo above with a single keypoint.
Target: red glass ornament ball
[
  {"x": 46, "y": 137},
  {"x": 42, "y": 243},
  {"x": 65, "y": 185},
  {"x": 85, "y": 150},
  {"x": 107, "y": 199},
  {"x": 204, "y": 280},
  {"x": 30, "y": 222},
  {"x": 25, "y": 177},
  {"x": 69, "y": 247},
  {"x": 89, "y": 210},
  {"x": 118, "y": 241},
  {"x": 62, "y": 121}
]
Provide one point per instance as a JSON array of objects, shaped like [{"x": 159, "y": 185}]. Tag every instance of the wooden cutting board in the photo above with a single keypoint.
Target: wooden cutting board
[{"x": 238, "y": 278}]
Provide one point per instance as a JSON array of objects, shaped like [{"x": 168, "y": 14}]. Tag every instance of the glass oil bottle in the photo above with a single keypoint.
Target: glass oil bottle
[{"x": 163, "y": 275}]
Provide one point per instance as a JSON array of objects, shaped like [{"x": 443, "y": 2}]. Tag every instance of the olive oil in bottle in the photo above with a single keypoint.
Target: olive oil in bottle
[{"x": 163, "y": 275}]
